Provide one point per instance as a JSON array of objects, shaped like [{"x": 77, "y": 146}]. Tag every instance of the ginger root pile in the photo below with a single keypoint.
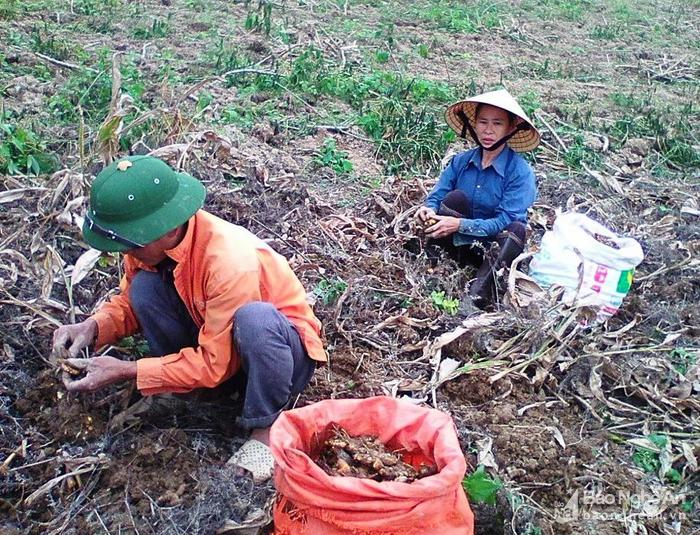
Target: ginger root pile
[{"x": 365, "y": 457}]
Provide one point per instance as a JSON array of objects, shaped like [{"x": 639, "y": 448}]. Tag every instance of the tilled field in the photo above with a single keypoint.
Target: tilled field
[{"x": 562, "y": 414}]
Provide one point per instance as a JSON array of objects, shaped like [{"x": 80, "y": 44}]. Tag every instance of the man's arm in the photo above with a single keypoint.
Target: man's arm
[{"x": 115, "y": 318}]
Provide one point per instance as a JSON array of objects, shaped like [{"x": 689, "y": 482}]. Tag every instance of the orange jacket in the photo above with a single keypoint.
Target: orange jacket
[{"x": 220, "y": 267}]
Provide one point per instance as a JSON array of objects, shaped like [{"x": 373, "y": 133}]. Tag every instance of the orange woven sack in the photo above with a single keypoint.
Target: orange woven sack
[{"x": 314, "y": 503}]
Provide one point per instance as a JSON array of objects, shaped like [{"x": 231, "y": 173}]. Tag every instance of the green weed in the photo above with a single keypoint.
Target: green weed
[
  {"x": 237, "y": 115},
  {"x": 579, "y": 153},
  {"x": 688, "y": 506},
  {"x": 683, "y": 359},
  {"x": 531, "y": 529},
  {"x": 423, "y": 50},
  {"x": 10, "y": 9},
  {"x": 406, "y": 135},
  {"x": 680, "y": 152},
  {"x": 260, "y": 18},
  {"x": 313, "y": 75},
  {"x": 204, "y": 100},
  {"x": 401, "y": 115},
  {"x": 21, "y": 150},
  {"x": 101, "y": 24},
  {"x": 330, "y": 290},
  {"x": 46, "y": 42},
  {"x": 94, "y": 7},
  {"x": 648, "y": 460},
  {"x": 157, "y": 29},
  {"x": 607, "y": 32},
  {"x": 480, "y": 487},
  {"x": 386, "y": 33},
  {"x": 458, "y": 18},
  {"x": 547, "y": 70},
  {"x": 671, "y": 128},
  {"x": 374, "y": 182},
  {"x": 135, "y": 345},
  {"x": 382, "y": 56},
  {"x": 330, "y": 156},
  {"x": 225, "y": 58},
  {"x": 571, "y": 10},
  {"x": 629, "y": 100},
  {"x": 529, "y": 102},
  {"x": 443, "y": 303},
  {"x": 92, "y": 91}
]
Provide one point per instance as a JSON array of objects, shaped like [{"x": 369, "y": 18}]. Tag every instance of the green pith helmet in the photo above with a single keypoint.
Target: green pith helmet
[{"x": 137, "y": 200}]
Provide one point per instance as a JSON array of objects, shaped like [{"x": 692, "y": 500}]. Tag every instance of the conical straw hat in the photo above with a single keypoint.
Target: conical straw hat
[{"x": 522, "y": 141}]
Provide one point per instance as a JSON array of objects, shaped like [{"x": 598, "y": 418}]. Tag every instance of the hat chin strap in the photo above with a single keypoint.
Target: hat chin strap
[{"x": 467, "y": 126}]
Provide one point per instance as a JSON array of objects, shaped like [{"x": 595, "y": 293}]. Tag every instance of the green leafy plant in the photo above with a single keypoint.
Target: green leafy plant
[
  {"x": 382, "y": 56},
  {"x": 670, "y": 127},
  {"x": 607, "y": 32},
  {"x": 683, "y": 358},
  {"x": 260, "y": 19},
  {"x": 225, "y": 58},
  {"x": 92, "y": 91},
  {"x": 45, "y": 41},
  {"x": 530, "y": 102},
  {"x": 629, "y": 100},
  {"x": 441, "y": 302},
  {"x": 94, "y": 7},
  {"x": 330, "y": 156},
  {"x": 400, "y": 114},
  {"x": 579, "y": 153},
  {"x": 648, "y": 459},
  {"x": 480, "y": 487},
  {"x": 158, "y": 28},
  {"x": 204, "y": 100},
  {"x": 453, "y": 16},
  {"x": 572, "y": 10},
  {"x": 531, "y": 529},
  {"x": 688, "y": 506},
  {"x": 21, "y": 150},
  {"x": 330, "y": 290},
  {"x": 135, "y": 345},
  {"x": 9, "y": 9}
]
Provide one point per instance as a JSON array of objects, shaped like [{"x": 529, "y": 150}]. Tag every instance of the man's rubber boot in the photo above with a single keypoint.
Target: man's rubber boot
[{"x": 483, "y": 289}]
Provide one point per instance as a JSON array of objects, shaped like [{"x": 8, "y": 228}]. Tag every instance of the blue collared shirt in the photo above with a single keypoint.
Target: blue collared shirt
[{"x": 500, "y": 194}]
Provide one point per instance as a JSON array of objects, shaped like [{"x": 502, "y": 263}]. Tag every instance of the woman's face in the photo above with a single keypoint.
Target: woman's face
[{"x": 492, "y": 124}]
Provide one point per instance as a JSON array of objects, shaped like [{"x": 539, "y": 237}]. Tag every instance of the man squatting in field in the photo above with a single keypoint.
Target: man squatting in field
[{"x": 212, "y": 300}]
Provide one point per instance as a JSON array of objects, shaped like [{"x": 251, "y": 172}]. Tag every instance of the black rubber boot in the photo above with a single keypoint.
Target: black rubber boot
[{"x": 501, "y": 254}]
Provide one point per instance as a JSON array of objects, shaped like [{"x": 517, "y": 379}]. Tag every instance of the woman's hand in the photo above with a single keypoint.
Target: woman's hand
[
  {"x": 425, "y": 214},
  {"x": 446, "y": 225}
]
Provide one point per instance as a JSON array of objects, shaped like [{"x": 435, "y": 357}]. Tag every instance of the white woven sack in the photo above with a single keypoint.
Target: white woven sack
[{"x": 590, "y": 270}]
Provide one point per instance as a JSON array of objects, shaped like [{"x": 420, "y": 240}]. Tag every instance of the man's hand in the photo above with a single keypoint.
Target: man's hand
[
  {"x": 101, "y": 371},
  {"x": 445, "y": 226},
  {"x": 68, "y": 340},
  {"x": 425, "y": 214}
]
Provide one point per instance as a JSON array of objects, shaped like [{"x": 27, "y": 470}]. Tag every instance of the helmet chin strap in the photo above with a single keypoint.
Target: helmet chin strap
[{"x": 467, "y": 126}]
